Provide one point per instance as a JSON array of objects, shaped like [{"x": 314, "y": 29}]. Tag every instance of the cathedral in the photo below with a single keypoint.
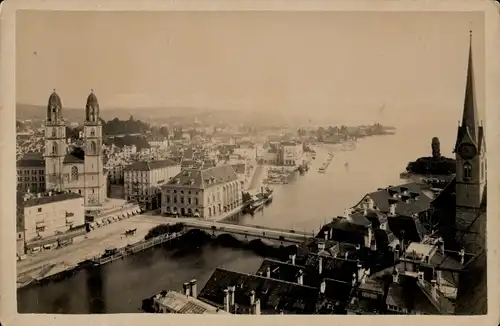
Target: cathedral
[{"x": 78, "y": 172}]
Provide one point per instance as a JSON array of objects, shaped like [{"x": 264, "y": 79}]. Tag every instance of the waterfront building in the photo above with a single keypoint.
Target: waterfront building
[
  {"x": 205, "y": 192},
  {"x": 291, "y": 154},
  {"x": 50, "y": 218},
  {"x": 143, "y": 179},
  {"x": 31, "y": 173},
  {"x": 81, "y": 171}
]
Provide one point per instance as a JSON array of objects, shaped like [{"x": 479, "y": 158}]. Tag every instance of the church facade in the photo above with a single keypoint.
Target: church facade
[{"x": 82, "y": 171}]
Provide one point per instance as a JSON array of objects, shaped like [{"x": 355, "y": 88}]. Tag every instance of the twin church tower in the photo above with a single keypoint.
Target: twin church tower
[{"x": 77, "y": 172}]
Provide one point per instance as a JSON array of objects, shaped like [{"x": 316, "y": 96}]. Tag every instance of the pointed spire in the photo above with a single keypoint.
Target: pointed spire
[{"x": 470, "y": 116}]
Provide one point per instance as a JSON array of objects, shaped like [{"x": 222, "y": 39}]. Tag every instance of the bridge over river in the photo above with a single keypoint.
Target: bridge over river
[{"x": 241, "y": 232}]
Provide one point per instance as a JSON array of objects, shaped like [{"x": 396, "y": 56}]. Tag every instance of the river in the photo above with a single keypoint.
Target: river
[{"x": 303, "y": 204}]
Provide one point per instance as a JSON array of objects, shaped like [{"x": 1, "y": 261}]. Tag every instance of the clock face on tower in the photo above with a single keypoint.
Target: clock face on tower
[{"x": 467, "y": 151}]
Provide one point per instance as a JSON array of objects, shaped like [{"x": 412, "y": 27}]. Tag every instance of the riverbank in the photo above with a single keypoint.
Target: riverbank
[{"x": 187, "y": 240}]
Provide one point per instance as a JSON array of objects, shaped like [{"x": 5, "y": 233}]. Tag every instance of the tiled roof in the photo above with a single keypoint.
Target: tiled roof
[
  {"x": 150, "y": 165},
  {"x": 332, "y": 267},
  {"x": 409, "y": 199},
  {"x": 275, "y": 296},
  {"x": 46, "y": 199},
  {"x": 32, "y": 159},
  {"x": 281, "y": 271},
  {"x": 345, "y": 231},
  {"x": 203, "y": 178}
]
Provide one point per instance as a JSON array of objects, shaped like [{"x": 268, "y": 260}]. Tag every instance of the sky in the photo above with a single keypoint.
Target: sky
[{"x": 345, "y": 66}]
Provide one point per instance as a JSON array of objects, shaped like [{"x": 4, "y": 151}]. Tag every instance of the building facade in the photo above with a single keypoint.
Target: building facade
[
  {"x": 81, "y": 171},
  {"x": 291, "y": 154},
  {"x": 204, "y": 193},
  {"x": 143, "y": 179},
  {"x": 50, "y": 214},
  {"x": 31, "y": 173}
]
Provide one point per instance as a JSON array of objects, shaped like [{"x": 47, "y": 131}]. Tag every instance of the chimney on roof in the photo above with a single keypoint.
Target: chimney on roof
[
  {"x": 440, "y": 243},
  {"x": 361, "y": 271},
  {"x": 292, "y": 259},
  {"x": 322, "y": 287},
  {"x": 320, "y": 265},
  {"x": 365, "y": 211},
  {"x": 186, "y": 288},
  {"x": 346, "y": 255},
  {"x": 193, "y": 286},
  {"x": 300, "y": 277},
  {"x": 230, "y": 291},
  {"x": 354, "y": 279},
  {"x": 392, "y": 209},
  {"x": 462, "y": 256},
  {"x": 331, "y": 233},
  {"x": 321, "y": 246},
  {"x": 347, "y": 212},
  {"x": 396, "y": 255},
  {"x": 268, "y": 272},
  {"x": 252, "y": 298},
  {"x": 257, "y": 307},
  {"x": 226, "y": 300},
  {"x": 420, "y": 277},
  {"x": 395, "y": 276},
  {"x": 326, "y": 235},
  {"x": 434, "y": 289}
]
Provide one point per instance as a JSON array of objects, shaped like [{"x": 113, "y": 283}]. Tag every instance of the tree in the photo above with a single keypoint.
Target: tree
[{"x": 436, "y": 148}]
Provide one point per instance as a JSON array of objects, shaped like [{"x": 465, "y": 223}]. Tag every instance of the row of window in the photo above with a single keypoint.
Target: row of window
[
  {"x": 28, "y": 172},
  {"x": 188, "y": 200},
  {"x": 32, "y": 179}
]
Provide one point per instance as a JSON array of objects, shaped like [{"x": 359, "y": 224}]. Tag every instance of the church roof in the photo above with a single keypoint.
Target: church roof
[
  {"x": 470, "y": 118},
  {"x": 71, "y": 158}
]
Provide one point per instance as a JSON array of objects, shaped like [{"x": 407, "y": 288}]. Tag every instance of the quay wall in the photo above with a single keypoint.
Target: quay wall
[{"x": 270, "y": 248}]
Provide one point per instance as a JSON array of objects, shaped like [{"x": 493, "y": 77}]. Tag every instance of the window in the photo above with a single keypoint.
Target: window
[
  {"x": 467, "y": 171},
  {"x": 93, "y": 147},
  {"x": 182, "y": 200},
  {"x": 40, "y": 228},
  {"x": 189, "y": 200},
  {"x": 39, "y": 210},
  {"x": 80, "y": 191},
  {"x": 168, "y": 199},
  {"x": 74, "y": 173},
  {"x": 92, "y": 132},
  {"x": 54, "y": 148},
  {"x": 482, "y": 170},
  {"x": 196, "y": 201},
  {"x": 54, "y": 133}
]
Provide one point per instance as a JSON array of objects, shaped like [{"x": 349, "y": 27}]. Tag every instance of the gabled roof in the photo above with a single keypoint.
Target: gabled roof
[
  {"x": 71, "y": 158},
  {"x": 203, "y": 178},
  {"x": 409, "y": 198},
  {"x": 274, "y": 295}
]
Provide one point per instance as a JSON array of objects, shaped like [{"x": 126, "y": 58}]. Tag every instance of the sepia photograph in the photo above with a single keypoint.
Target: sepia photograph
[{"x": 251, "y": 162}]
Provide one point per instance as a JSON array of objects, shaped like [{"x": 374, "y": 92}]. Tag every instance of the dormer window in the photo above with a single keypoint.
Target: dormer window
[{"x": 467, "y": 171}]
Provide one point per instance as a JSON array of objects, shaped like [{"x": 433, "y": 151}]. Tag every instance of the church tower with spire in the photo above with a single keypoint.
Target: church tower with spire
[
  {"x": 470, "y": 149},
  {"x": 95, "y": 181},
  {"x": 55, "y": 144}
]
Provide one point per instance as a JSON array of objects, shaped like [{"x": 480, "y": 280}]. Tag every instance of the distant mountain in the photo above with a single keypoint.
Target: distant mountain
[
  {"x": 161, "y": 115},
  {"x": 38, "y": 112}
]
